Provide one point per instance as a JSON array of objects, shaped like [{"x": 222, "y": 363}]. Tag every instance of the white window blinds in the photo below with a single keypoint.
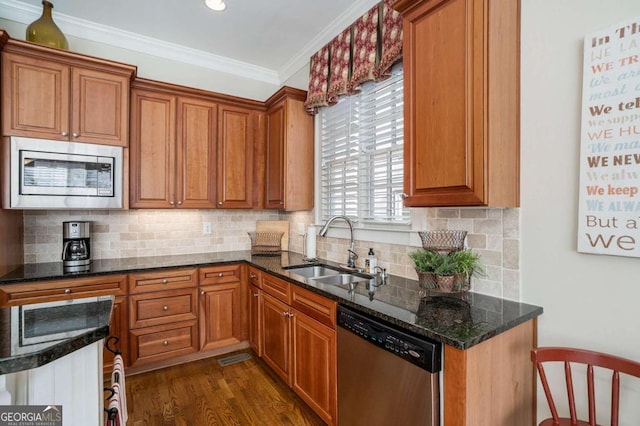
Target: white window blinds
[{"x": 361, "y": 154}]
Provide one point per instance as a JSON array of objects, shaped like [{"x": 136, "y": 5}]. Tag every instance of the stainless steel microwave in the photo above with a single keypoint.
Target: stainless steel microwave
[{"x": 64, "y": 175}]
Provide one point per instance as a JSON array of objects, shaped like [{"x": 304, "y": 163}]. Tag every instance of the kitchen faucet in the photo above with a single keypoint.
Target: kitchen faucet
[{"x": 351, "y": 262}]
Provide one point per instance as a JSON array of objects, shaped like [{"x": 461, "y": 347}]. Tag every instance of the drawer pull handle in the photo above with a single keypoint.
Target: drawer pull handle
[
  {"x": 67, "y": 291},
  {"x": 165, "y": 308},
  {"x": 166, "y": 343},
  {"x": 165, "y": 281},
  {"x": 221, "y": 274}
]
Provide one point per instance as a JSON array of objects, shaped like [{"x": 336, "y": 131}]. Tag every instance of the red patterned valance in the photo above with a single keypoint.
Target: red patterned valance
[
  {"x": 340, "y": 66},
  {"x": 391, "y": 43},
  {"x": 318, "y": 81},
  {"x": 363, "y": 52},
  {"x": 365, "y": 49}
]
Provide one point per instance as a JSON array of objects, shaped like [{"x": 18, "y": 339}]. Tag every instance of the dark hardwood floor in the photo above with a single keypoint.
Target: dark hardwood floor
[{"x": 203, "y": 393}]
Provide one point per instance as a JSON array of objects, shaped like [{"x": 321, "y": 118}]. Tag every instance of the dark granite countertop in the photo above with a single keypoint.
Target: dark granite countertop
[
  {"x": 461, "y": 320},
  {"x": 34, "y": 335}
]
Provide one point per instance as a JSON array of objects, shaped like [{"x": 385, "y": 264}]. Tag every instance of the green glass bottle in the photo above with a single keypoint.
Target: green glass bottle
[{"x": 44, "y": 31}]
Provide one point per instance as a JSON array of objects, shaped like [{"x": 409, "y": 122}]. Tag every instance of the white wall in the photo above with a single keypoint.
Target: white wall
[{"x": 589, "y": 301}]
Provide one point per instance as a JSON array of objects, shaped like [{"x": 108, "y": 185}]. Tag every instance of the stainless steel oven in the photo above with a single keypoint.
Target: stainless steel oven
[{"x": 58, "y": 174}]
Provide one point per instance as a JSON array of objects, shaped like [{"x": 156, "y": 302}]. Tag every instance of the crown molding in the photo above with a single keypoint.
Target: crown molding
[{"x": 25, "y": 14}]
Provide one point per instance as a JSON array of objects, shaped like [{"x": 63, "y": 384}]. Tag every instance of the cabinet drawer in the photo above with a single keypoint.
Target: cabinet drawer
[
  {"x": 220, "y": 274},
  {"x": 163, "y": 342},
  {"x": 315, "y": 306},
  {"x": 47, "y": 291},
  {"x": 162, "y": 307},
  {"x": 254, "y": 276},
  {"x": 163, "y": 280},
  {"x": 280, "y": 289}
]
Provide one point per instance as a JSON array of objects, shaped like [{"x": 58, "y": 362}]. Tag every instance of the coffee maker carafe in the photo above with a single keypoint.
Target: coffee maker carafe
[{"x": 76, "y": 246}]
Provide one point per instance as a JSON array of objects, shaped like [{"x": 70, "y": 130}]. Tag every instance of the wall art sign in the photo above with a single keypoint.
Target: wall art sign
[{"x": 609, "y": 202}]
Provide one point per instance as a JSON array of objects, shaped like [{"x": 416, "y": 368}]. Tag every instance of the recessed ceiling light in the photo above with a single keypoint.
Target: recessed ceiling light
[{"x": 217, "y": 5}]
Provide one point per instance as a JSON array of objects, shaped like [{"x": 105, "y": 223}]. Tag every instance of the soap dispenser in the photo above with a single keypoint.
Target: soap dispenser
[{"x": 370, "y": 262}]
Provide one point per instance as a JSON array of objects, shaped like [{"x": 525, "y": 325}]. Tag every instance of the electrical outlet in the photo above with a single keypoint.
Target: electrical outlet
[{"x": 206, "y": 228}]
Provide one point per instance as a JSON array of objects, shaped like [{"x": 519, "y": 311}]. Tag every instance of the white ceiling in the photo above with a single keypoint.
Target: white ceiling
[{"x": 268, "y": 40}]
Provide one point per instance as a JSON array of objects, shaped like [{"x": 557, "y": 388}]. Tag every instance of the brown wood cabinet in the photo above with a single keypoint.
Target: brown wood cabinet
[
  {"x": 255, "y": 310},
  {"x": 289, "y": 152},
  {"x": 173, "y": 150},
  {"x": 461, "y": 99},
  {"x": 163, "y": 315},
  {"x": 235, "y": 157},
  {"x": 299, "y": 342},
  {"x": 222, "y": 307},
  {"x": 51, "y": 94}
]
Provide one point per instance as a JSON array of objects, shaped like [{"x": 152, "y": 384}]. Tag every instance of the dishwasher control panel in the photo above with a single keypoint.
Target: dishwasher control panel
[{"x": 420, "y": 351}]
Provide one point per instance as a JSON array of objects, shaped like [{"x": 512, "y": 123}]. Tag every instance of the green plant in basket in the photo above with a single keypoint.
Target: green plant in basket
[
  {"x": 467, "y": 263},
  {"x": 426, "y": 260},
  {"x": 463, "y": 263}
]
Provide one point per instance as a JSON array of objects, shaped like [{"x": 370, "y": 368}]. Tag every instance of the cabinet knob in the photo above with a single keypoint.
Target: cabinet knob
[
  {"x": 165, "y": 281},
  {"x": 221, "y": 274},
  {"x": 166, "y": 343},
  {"x": 404, "y": 195},
  {"x": 253, "y": 276},
  {"x": 281, "y": 203},
  {"x": 256, "y": 295},
  {"x": 284, "y": 314},
  {"x": 67, "y": 291},
  {"x": 179, "y": 203},
  {"x": 64, "y": 133},
  {"x": 220, "y": 203},
  {"x": 172, "y": 202},
  {"x": 75, "y": 135},
  {"x": 165, "y": 308},
  {"x": 202, "y": 292}
]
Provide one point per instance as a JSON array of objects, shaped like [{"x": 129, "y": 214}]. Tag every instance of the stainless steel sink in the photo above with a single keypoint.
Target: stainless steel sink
[
  {"x": 312, "y": 271},
  {"x": 340, "y": 279}
]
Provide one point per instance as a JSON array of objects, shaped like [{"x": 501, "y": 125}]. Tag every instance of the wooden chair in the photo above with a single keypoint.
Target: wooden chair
[{"x": 578, "y": 356}]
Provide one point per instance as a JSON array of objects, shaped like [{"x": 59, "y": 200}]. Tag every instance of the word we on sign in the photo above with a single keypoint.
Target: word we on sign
[{"x": 609, "y": 204}]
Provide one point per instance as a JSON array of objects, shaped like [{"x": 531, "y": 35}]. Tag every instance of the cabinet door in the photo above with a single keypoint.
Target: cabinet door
[
  {"x": 152, "y": 152},
  {"x": 314, "y": 372},
  {"x": 255, "y": 319},
  {"x": 220, "y": 316},
  {"x": 35, "y": 97},
  {"x": 275, "y": 336},
  {"x": 274, "y": 185},
  {"x": 119, "y": 328},
  {"x": 196, "y": 154},
  {"x": 461, "y": 102},
  {"x": 100, "y": 107},
  {"x": 235, "y": 158}
]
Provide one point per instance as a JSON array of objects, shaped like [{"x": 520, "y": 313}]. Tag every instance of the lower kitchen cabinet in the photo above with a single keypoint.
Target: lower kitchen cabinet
[
  {"x": 314, "y": 369},
  {"x": 276, "y": 338},
  {"x": 255, "y": 319},
  {"x": 120, "y": 329},
  {"x": 299, "y": 342},
  {"x": 220, "y": 316},
  {"x": 161, "y": 342}
]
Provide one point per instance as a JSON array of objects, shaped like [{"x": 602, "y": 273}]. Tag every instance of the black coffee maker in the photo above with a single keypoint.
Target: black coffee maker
[{"x": 76, "y": 246}]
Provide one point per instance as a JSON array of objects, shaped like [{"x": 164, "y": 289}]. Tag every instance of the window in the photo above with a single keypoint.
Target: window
[{"x": 361, "y": 145}]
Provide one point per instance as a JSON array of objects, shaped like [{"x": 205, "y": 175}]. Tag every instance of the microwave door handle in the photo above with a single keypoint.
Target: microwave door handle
[{"x": 64, "y": 249}]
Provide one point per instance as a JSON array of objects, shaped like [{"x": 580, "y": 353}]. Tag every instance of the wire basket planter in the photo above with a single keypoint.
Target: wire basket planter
[
  {"x": 266, "y": 243},
  {"x": 444, "y": 240}
]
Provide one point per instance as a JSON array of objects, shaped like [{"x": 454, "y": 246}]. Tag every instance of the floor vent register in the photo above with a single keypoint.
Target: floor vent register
[{"x": 234, "y": 359}]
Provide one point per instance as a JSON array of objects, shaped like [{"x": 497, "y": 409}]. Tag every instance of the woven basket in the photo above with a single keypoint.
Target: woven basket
[
  {"x": 443, "y": 240},
  {"x": 265, "y": 242},
  {"x": 429, "y": 281}
]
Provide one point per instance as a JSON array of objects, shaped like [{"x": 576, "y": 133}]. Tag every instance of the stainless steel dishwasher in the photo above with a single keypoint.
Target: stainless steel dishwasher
[{"x": 385, "y": 375}]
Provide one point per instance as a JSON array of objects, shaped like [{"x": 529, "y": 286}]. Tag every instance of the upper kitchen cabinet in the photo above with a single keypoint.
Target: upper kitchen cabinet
[
  {"x": 190, "y": 148},
  {"x": 235, "y": 157},
  {"x": 289, "y": 152},
  {"x": 173, "y": 148},
  {"x": 59, "y": 95},
  {"x": 461, "y": 87}
]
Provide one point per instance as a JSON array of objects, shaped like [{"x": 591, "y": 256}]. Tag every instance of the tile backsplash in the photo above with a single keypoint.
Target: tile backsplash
[{"x": 492, "y": 233}]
